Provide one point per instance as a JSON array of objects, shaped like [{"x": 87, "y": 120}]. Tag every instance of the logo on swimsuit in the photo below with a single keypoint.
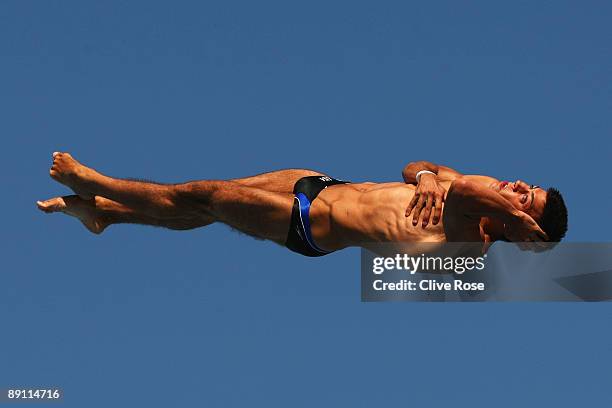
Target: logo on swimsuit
[{"x": 325, "y": 178}]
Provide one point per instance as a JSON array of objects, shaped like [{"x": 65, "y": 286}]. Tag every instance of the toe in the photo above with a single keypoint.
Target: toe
[
  {"x": 52, "y": 205},
  {"x": 41, "y": 205}
]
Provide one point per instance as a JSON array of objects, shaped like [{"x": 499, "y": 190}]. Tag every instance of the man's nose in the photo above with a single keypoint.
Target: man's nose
[{"x": 519, "y": 185}]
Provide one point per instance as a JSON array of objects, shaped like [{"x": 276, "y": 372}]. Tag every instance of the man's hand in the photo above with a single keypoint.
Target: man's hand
[
  {"x": 524, "y": 231},
  {"x": 429, "y": 193}
]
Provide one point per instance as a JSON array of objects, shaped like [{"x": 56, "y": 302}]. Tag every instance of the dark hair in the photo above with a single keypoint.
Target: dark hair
[{"x": 554, "y": 216}]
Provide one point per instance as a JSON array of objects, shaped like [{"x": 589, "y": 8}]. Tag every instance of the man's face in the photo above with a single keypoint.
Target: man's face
[{"x": 527, "y": 198}]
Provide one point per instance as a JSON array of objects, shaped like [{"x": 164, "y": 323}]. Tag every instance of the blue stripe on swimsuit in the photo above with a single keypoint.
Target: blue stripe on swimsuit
[{"x": 305, "y": 219}]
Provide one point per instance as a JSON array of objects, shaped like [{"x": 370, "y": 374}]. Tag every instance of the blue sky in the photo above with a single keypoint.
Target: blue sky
[{"x": 173, "y": 91}]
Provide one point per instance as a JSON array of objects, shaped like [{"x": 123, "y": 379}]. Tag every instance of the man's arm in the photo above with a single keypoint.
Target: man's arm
[
  {"x": 443, "y": 172},
  {"x": 467, "y": 202}
]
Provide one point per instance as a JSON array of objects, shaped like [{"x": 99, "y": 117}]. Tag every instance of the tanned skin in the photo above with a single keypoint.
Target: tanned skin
[{"x": 444, "y": 207}]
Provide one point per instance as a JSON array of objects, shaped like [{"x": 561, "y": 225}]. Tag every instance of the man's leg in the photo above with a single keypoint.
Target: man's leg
[
  {"x": 281, "y": 181},
  {"x": 98, "y": 213},
  {"x": 251, "y": 210}
]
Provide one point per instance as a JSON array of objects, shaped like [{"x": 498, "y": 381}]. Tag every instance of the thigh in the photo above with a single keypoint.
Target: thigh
[
  {"x": 281, "y": 181},
  {"x": 254, "y": 211}
]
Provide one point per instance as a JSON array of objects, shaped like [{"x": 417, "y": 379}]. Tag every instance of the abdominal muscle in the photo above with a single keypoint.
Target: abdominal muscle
[{"x": 365, "y": 214}]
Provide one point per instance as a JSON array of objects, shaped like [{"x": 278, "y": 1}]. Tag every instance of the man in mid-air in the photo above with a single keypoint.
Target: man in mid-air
[{"x": 313, "y": 214}]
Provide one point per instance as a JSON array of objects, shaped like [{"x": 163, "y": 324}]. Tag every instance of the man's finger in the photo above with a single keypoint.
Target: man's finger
[
  {"x": 427, "y": 212},
  {"x": 437, "y": 211},
  {"x": 539, "y": 236},
  {"x": 412, "y": 204},
  {"x": 417, "y": 209}
]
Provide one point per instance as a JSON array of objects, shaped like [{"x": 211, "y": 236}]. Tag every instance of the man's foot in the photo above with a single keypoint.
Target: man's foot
[
  {"x": 84, "y": 210},
  {"x": 70, "y": 173}
]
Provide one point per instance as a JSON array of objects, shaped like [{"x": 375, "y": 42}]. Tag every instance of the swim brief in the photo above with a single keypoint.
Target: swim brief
[{"x": 305, "y": 191}]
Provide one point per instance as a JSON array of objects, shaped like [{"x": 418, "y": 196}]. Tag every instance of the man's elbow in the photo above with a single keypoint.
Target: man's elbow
[
  {"x": 409, "y": 171},
  {"x": 411, "y": 165}
]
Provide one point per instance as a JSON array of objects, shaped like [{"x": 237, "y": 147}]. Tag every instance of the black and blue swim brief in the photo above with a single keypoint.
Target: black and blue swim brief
[{"x": 305, "y": 191}]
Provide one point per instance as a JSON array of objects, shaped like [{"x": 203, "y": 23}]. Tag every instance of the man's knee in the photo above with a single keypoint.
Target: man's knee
[{"x": 193, "y": 198}]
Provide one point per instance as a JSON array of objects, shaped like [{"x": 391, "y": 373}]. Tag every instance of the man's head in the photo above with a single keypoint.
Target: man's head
[{"x": 546, "y": 207}]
